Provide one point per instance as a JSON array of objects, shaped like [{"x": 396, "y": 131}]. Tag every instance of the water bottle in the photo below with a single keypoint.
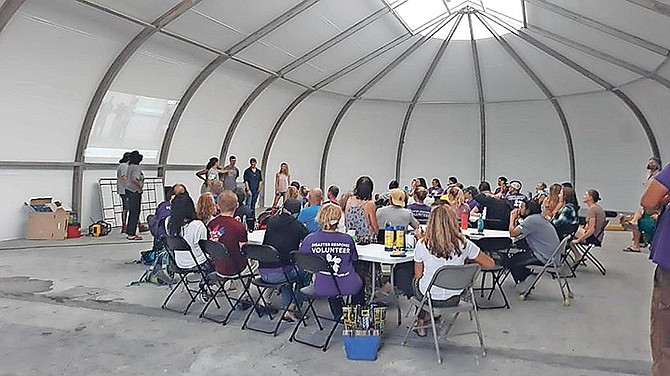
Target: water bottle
[
  {"x": 480, "y": 224},
  {"x": 464, "y": 220},
  {"x": 400, "y": 238},
  {"x": 388, "y": 237}
]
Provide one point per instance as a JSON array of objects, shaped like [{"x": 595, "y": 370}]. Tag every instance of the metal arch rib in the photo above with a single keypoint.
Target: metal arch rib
[
  {"x": 417, "y": 94},
  {"x": 342, "y": 72},
  {"x": 601, "y": 55},
  {"x": 482, "y": 107},
  {"x": 7, "y": 10},
  {"x": 630, "y": 38},
  {"x": 545, "y": 89},
  {"x": 366, "y": 87},
  {"x": 216, "y": 63},
  {"x": 106, "y": 82},
  {"x": 653, "y": 5},
  {"x": 588, "y": 74}
]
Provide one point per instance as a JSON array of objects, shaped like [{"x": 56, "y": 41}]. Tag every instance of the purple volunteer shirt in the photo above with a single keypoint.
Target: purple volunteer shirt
[
  {"x": 340, "y": 251},
  {"x": 660, "y": 247}
]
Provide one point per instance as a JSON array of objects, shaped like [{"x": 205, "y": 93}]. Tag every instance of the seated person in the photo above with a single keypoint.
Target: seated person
[
  {"x": 340, "y": 251},
  {"x": 157, "y": 227},
  {"x": 308, "y": 216},
  {"x": 243, "y": 211},
  {"x": 435, "y": 189},
  {"x": 384, "y": 198},
  {"x": 593, "y": 230},
  {"x": 182, "y": 222},
  {"x": 470, "y": 192},
  {"x": 333, "y": 192},
  {"x": 566, "y": 219},
  {"x": 231, "y": 233},
  {"x": 419, "y": 209},
  {"x": 456, "y": 200},
  {"x": 539, "y": 242},
  {"x": 442, "y": 244},
  {"x": 205, "y": 209},
  {"x": 514, "y": 196},
  {"x": 396, "y": 214},
  {"x": 497, "y": 210},
  {"x": 285, "y": 233}
]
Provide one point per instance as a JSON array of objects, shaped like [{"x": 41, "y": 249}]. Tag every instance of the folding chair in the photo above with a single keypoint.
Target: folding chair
[
  {"x": 452, "y": 277},
  {"x": 216, "y": 250},
  {"x": 497, "y": 248},
  {"x": 315, "y": 264},
  {"x": 555, "y": 267},
  {"x": 174, "y": 244},
  {"x": 265, "y": 254},
  {"x": 586, "y": 248}
]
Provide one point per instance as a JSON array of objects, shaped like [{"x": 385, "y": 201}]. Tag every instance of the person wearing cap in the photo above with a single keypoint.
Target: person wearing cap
[
  {"x": 285, "y": 233},
  {"x": 308, "y": 216},
  {"x": 514, "y": 196},
  {"x": 396, "y": 214}
]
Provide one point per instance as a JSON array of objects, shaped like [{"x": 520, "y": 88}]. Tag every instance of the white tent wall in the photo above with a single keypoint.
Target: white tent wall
[
  {"x": 365, "y": 144},
  {"x": 441, "y": 141},
  {"x": 91, "y": 210},
  {"x": 300, "y": 142},
  {"x": 611, "y": 150},
  {"x": 203, "y": 125},
  {"x": 653, "y": 99},
  {"x": 17, "y": 186},
  {"x": 53, "y": 55},
  {"x": 254, "y": 127},
  {"x": 187, "y": 178},
  {"x": 509, "y": 151}
]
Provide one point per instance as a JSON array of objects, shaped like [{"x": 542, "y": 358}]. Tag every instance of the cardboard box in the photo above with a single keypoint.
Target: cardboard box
[{"x": 46, "y": 219}]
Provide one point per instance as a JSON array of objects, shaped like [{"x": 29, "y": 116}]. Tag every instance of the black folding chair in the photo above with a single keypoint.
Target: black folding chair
[
  {"x": 315, "y": 264},
  {"x": 586, "y": 250},
  {"x": 216, "y": 250},
  {"x": 178, "y": 244},
  {"x": 498, "y": 249},
  {"x": 557, "y": 267},
  {"x": 266, "y": 254},
  {"x": 452, "y": 277}
]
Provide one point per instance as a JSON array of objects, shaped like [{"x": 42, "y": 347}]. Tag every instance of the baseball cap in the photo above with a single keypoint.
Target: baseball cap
[
  {"x": 293, "y": 205},
  {"x": 397, "y": 197},
  {"x": 516, "y": 184}
]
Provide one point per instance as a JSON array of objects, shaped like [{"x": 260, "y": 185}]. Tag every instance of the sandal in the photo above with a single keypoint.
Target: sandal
[
  {"x": 631, "y": 250},
  {"x": 134, "y": 237}
]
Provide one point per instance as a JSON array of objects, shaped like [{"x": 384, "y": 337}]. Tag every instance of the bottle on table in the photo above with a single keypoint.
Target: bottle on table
[
  {"x": 389, "y": 237},
  {"x": 400, "y": 238}
]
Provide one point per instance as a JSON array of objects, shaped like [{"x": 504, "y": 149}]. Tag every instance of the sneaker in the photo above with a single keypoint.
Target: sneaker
[
  {"x": 204, "y": 296},
  {"x": 524, "y": 285}
]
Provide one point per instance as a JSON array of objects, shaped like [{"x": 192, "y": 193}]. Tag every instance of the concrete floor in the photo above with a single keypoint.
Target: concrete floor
[{"x": 68, "y": 310}]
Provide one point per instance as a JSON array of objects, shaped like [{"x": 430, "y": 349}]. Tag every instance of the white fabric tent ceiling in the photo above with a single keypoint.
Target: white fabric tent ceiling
[{"x": 568, "y": 90}]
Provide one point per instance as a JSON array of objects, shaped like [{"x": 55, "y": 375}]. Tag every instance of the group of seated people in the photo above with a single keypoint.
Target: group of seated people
[{"x": 320, "y": 227}]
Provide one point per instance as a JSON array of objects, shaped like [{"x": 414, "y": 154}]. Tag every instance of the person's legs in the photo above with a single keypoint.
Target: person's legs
[
  {"x": 124, "y": 212},
  {"x": 517, "y": 265},
  {"x": 660, "y": 323},
  {"x": 134, "y": 204},
  {"x": 404, "y": 276},
  {"x": 254, "y": 200}
]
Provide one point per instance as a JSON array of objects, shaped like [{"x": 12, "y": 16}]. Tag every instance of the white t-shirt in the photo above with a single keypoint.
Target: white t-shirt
[
  {"x": 431, "y": 263},
  {"x": 192, "y": 232}
]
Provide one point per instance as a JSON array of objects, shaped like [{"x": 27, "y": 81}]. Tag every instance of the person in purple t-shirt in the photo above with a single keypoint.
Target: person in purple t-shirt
[
  {"x": 419, "y": 210},
  {"x": 340, "y": 251},
  {"x": 656, "y": 197}
]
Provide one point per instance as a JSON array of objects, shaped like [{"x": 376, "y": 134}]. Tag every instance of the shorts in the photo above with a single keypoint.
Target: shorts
[
  {"x": 124, "y": 202},
  {"x": 280, "y": 194}
]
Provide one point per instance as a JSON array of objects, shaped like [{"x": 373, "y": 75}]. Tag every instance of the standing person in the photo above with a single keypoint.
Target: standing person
[
  {"x": 134, "y": 194},
  {"x": 209, "y": 174},
  {"x": 656, "y": 198},
  {"x": 282, "y": 179},
  {"x": 121, "y": 182},
  {"x": 340, "y": 251},
  {"x": 641, "y": 220},
  {"x": 230, "y": 174},
  {"x": 252, "y": 182}
]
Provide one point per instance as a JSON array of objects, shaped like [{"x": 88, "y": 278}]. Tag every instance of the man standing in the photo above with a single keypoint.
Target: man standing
[
  {"x": 540, "y": 241},
  {"x": 308, "y": 215},
  {"x": 121, "y": 183},
  {"x": 655, "y": 197},
  {"x": 230, "y": 174},
  {"x": 252, "y": 182}
]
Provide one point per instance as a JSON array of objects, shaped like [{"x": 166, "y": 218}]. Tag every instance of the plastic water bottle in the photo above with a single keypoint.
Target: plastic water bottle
[
  {"x": 400, "y": 238},
  {"x": 388, "y": 237},
  {"x": 464, "y": 220},
  {"x": 480, "y": 224}
]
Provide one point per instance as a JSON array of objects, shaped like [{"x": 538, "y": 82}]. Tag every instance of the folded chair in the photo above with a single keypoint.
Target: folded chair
[
  {"x": 216, "y": 250},
  {"x": 497, "y": 248},
  {"x": 557, "y": 267},
  {"x": 315, "y": 264},
  {"x": 452, "y": 277},
  {"x": 177, "y": 243},
  {"x": 586, "y": 248},
  {"x": 265, "y": 254}
]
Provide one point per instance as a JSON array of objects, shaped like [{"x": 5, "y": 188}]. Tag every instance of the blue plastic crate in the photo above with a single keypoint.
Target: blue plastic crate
[{"x": 361, "y": 347}]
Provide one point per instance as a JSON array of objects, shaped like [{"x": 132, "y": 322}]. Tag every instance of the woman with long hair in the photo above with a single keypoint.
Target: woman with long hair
[
  {"x": 442, "y": 244},
  {"x": 456, "y": 200},
  {"x": 566, "y": 220},
  {"x": 209, "y": 174},
  {"x": 551, "y": 204},
  {"x": 360, "y": 212},
  {"x": 282, "y": 179},
  {"x": 184, "y": 223}
]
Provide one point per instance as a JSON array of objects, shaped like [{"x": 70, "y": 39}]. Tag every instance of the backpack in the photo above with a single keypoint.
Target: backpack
[
  {"x": 157, "y": 221},
  {"x": 159, "y": 267}
]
